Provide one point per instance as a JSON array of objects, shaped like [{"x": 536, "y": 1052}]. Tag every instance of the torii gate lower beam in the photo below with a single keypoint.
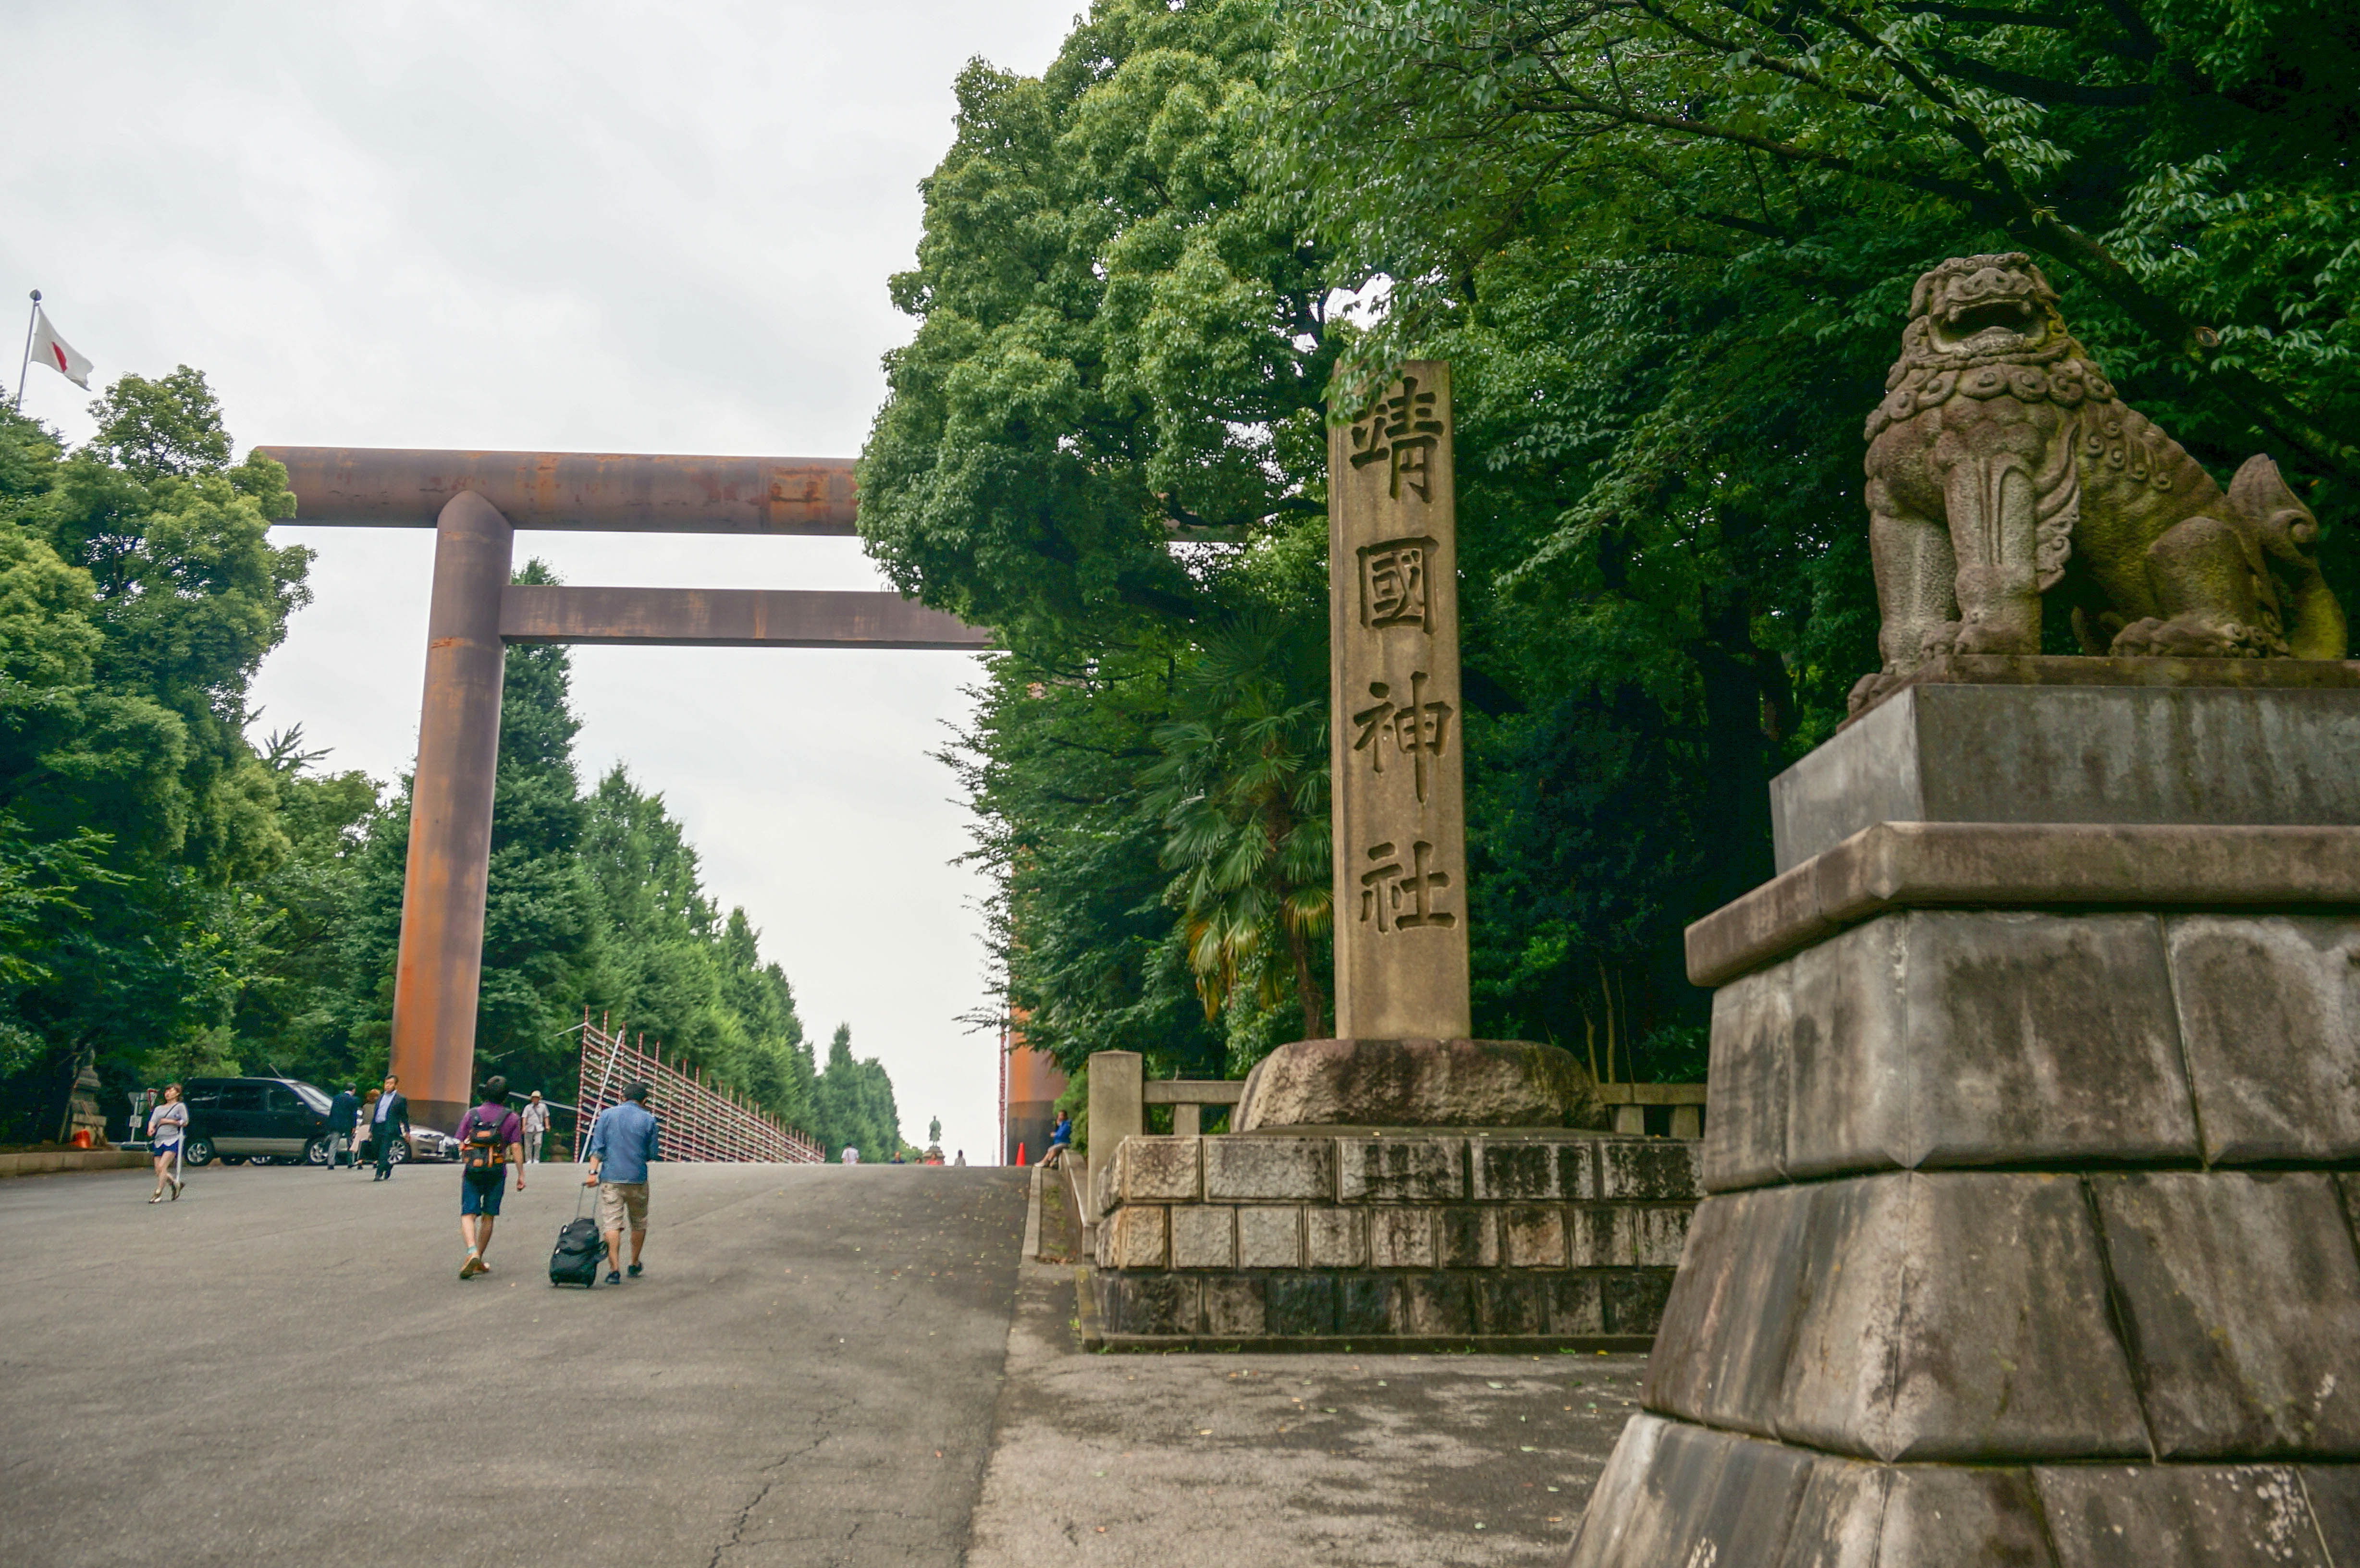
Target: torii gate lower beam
[{"x": 475, "y": 502}]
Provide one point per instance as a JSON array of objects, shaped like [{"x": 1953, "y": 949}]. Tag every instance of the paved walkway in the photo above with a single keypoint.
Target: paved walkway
[{"x": 283, "y": 1367}]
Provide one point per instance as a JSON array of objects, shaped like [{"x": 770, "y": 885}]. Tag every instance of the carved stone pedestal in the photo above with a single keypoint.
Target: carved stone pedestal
[{"x": 2032, "y": 1171}]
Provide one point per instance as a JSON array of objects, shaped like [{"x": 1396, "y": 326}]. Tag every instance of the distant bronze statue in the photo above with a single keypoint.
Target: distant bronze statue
[{"x": 2002, "y": 468}]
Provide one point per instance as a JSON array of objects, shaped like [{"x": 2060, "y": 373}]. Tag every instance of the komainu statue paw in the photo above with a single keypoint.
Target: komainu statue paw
[{"x": 2188, "y": 637}]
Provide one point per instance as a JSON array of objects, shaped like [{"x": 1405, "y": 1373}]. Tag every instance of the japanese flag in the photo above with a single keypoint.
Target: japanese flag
[{"x": 57, "y": 354}]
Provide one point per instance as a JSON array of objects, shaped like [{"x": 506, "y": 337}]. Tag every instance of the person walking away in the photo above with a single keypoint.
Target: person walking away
[
  {"x": 491, "y": 1139},
  {"x": 536, "y": 1132},
  {"x": 167, "y": 1127},
  {"x": 622, "y": 1145},
  {"x": 390, "y": 1121},
  {"x": 344, "y": 1114},
  {"x": 363, "y": 1124},
  {"x": 851, "y": 1155},
  {"x": 961, "y": 1158}
]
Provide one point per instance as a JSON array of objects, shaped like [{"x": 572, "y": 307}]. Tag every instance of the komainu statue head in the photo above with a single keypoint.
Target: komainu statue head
[{"x": 2006, "y": 477}]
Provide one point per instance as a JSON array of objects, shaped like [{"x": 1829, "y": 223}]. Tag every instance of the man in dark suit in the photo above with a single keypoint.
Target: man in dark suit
[
  {"x": 343, "y": 1113},
  {"x": 391, "y": 1121}
]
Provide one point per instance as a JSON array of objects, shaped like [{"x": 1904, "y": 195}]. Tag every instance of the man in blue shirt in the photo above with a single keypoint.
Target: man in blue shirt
[{"x": 622, "y": 1145}]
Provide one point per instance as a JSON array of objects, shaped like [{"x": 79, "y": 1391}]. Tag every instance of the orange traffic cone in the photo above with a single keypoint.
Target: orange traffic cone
[{"x": 1020, "y": 1154}]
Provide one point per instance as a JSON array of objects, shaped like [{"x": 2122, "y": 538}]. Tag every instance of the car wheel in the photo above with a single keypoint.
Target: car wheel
[
  {"x": 233, "y": 1160},
  {"x": 200, "y": 1152},
  {"x": 316, "y": 1152},
  {"x": 399, "y": 1153}
]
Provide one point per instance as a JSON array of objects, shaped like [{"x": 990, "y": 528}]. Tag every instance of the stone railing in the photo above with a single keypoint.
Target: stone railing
[
  {"x": 1630, "y": 1102},
  {"x": 1120, "y": 1093}
]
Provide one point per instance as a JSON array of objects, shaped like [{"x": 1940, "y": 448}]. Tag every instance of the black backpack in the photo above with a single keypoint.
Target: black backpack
[{"x": 579, "y": 1249}]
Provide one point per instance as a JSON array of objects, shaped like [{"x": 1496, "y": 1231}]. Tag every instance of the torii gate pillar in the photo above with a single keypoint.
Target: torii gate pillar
[{"x": 440, "y": 972}]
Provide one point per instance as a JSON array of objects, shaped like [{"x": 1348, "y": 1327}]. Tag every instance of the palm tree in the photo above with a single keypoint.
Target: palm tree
[{"x": 1241, "y": 791}]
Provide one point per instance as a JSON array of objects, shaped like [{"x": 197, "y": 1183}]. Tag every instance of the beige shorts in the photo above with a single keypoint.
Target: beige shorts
[{"x": 621, "y": 1200}]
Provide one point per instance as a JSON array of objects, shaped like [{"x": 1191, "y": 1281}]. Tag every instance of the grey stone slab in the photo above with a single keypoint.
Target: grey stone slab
[
  {"x": 1633, "y": 1300},
  {"x": 1920, "y": 1516},
  {"x": 1400, "y": 1238},
  {"x": 1659, "y": 1233},
  {"x": 1400, "y": 1169},
  {"x": 1438, "y": 1304},
  {"x": 1841, "y": 1520},
  {"x": 1600, "y": 1236},
  {"x": 1148, "y": 1303},
  {"x": 1335, "y": 1238},
  {"x": 1675, "y": 1495},
  {"x": 1158, "y": 1169},
  {"x": 2035, "y": 754},
  {"x": 1233, "y": 1306},
  {"x": 1512, "y": 1305},
  {"x": 1722, "y": 1351},
  {"x": 1577, "y": 1168},
  {"x": 1945, "y": 1517},
  {"x": 2333, "y": 1493},
  {"x": 1746, "y": 1138},
  {"x": 1239, "y": 1168},
  {"x": 1367, "y": 1304},
  {"x": 1134, "y": 1236},
  {"x": 2067, "y": 1017},
  {"x": 1270, "y": 1237},
  {"x": 1467, "y": 1238},
  {"x": 1576, "y": 1305},
  {"x": 1298, "y": 1303},
  {"x": 2240, "y": 1295},
  {"x": 2179, "y": 1515},
  {"x": 2269, "y": 1016},
  {"x": 1533, "y": 1237},
  {"x": 1959, "y": 1316},
  {"x": 1649, "y": 1168},
  {"x": 1850, "y": 1052},
  {"x": 2025, "y": 865},
  {"x": 1203, "y": 1236},
  {"x": 1521, "y": 1171},
  {"x": 1945, "y": 1039}
]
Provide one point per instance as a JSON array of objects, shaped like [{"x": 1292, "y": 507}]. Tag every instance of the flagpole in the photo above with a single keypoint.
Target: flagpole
[{"x": 25, "y": 368}]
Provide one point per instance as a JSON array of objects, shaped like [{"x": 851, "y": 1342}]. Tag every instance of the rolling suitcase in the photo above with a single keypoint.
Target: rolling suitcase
[{"x": 580, "y": 1250}]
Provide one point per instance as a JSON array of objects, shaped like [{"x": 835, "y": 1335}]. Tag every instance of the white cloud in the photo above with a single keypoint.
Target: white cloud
[{"x": 601, "y": 226}]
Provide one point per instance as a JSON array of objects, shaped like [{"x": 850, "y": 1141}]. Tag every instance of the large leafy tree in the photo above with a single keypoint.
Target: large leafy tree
[{"x": 138, "y": 591}]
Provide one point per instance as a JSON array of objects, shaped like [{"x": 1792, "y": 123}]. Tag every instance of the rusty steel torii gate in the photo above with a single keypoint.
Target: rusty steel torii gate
[{"x": 475, "y": 502}]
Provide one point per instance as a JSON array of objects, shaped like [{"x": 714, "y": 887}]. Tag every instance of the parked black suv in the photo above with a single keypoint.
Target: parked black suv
[{"x": 266, "y": 1120}]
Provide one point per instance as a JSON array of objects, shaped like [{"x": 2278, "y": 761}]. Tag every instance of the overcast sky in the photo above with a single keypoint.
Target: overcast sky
[{"x": 587, "y": 227}]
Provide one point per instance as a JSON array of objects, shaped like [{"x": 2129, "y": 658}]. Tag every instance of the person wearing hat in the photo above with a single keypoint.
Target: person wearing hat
[{"x": 535, "y": 1118}]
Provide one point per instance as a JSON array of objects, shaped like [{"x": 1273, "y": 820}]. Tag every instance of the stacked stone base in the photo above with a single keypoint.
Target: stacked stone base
[
  {"x": 1411, "y": 1240},
  {"x": 1689, "y": 1497}
]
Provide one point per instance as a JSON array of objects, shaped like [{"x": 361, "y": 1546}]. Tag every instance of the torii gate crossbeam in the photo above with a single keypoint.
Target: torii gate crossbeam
[{"x": 475, "y": 501}]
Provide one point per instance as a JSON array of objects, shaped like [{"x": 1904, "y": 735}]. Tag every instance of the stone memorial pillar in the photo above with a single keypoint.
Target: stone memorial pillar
[
  {"x": 1399, "y": 804},
  {"x": 1402, "y": 1056}
]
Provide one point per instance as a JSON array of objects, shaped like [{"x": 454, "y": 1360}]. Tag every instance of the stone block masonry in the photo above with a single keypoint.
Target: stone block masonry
[
  {"x": 2029, "y": 1233},
  {"x": 1526, "y": 1239}
]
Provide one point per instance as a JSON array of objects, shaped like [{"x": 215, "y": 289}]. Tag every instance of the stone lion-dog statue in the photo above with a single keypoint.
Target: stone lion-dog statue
[{"x": 2002, "y": 468}]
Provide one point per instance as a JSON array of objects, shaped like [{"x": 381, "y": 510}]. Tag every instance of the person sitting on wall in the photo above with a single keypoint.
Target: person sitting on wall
[{"x": 1061, "y": 1139}]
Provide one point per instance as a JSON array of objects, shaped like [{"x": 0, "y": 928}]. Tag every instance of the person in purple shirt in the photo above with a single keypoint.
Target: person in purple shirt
[{"x": 491, "y": 1138}]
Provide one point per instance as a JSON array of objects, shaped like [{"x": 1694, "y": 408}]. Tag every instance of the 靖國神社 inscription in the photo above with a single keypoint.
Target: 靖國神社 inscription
[{"x": 1401, "y": 833}]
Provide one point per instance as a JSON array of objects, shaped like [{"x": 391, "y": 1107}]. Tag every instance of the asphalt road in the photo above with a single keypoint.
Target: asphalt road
[{"x": 284, "y": 1368}]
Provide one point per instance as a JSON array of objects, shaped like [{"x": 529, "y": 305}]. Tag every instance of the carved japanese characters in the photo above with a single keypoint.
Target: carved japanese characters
[
  {"x": 2003, "y": 469},
  {"x": 1399, "y": 826}
]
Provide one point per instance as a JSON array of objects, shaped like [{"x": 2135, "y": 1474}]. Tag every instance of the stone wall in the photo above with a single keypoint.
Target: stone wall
[{"x": 1565, "y": 1238}]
